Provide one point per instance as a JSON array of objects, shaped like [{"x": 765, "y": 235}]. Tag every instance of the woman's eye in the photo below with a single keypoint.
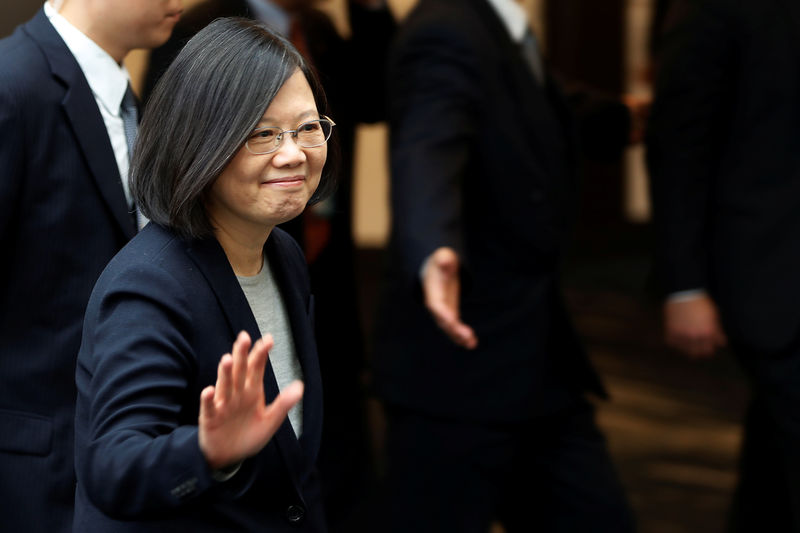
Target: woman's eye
[{"x": 309, "y": 126}]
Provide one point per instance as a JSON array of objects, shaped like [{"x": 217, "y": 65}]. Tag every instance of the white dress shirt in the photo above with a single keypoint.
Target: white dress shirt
[
  {"x": 514, "y": 18},
  {"x": 108, "y": 81}
]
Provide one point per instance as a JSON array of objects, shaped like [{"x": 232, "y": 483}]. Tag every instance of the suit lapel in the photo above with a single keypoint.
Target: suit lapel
[
  {"x": 534, "y": 98},
  {"x": 289, "y": 274},
  {"x": 81, "y": 111},
  {"x": 210, "y": 259}
]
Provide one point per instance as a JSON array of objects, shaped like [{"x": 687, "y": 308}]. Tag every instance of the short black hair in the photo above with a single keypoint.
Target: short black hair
[{"x": 199, "y": 115}]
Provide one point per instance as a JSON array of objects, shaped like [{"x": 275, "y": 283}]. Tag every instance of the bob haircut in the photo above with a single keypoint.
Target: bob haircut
[{"x": 200, "y": 113}]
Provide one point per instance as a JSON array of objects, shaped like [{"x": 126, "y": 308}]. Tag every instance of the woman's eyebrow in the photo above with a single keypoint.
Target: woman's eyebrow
[{"x": 268, "y": 121}]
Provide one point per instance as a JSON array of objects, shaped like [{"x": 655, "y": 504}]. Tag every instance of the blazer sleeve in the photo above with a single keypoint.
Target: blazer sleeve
[
  {"x": 135, "y": 375},
  {"x": 434, "y": 87},
  {"x": 687, "y": 126}
]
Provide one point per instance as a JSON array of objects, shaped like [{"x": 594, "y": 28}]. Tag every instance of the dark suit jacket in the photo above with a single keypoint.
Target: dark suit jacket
[
  {"x": 482, "y": 160},
  {"x": 159, "y": 319},
  {"x": 724, "y": 158},
  {"x": 63, "y": 215}
]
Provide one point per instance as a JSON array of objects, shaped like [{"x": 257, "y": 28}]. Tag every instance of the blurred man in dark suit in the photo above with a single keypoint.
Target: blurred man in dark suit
[
  {"x": 67, "y": 121},
  {"x": 724, "y": 157},
  {"x": 480, "y": 370}
]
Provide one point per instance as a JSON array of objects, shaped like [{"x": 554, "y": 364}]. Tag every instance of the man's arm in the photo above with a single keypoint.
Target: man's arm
[
  {"x": 686, "y": 127},
  {"x": 434, "y": 89}
]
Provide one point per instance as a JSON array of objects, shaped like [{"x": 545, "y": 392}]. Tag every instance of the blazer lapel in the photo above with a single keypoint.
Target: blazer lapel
[
  {"x": 210, "y": 259},
  {"x": 81, "y": 110},
  {"x": 289, "y": 274}
]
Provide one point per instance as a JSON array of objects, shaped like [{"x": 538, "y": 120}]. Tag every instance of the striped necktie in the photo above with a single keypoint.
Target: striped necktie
[
  {"x": 129, "y": 110},
  {"x": 533, "y": 56},
  {"x": 130, "y": 118}
]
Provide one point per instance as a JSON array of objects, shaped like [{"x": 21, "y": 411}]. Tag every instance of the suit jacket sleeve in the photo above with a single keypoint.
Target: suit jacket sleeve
[
  {"x": 142, "y": 451},
  {"x": 687, "y": 125},
  {"x": 434, "y": 83}
]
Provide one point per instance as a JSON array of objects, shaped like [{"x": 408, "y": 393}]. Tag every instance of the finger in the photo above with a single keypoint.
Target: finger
[
  {"x": 241, "y": 347},
  {"x": 722, "y": 339},
  {"x": 207, "y": 408},
  {"x": 224, "y": 378},
  {"x": 462, "y": 335},
  {"x": 699, "y": 345},
  {"x": 701, "y": 350},
  {"x": 278, "y": 410},
  {"x": 290, "y": 395},
  {"x": 257, "y": 362},
  {"x": 459, "y": 332},
  {"x": 283, "y": 402}
]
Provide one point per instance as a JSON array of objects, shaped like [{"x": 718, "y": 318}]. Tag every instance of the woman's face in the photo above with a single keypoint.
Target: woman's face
[{"x": 256, "y": 192}]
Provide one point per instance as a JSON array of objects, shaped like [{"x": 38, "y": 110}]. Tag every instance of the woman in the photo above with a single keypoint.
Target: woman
[{"x": 172, "y": 435}]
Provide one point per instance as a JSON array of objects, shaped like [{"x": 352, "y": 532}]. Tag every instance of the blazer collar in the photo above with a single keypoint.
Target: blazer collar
[
  {"x": 210, "y": 259},
  {"x": 81, "y": 110}
]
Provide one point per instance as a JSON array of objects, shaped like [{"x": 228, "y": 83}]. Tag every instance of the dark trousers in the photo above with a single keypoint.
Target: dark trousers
[
  {"x": 550, "y": 474},
  {"x": 767, "y": 497}
]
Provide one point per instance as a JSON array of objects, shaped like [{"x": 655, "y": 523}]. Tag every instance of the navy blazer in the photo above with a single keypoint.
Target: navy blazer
[
  {"x": 483, "y": 161},
  {"x": 63, "y": 216},
  {"x": 161, "y": 316}
]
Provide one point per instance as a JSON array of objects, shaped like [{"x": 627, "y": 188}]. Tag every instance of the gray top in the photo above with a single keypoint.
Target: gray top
[{"x": 267, "y": 305}]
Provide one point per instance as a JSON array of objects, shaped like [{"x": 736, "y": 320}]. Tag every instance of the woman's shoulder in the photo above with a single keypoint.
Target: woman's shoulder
[{"x": 153, "y": 244}]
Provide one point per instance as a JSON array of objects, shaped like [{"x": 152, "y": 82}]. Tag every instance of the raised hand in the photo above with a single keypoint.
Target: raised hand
[
  {"x": 235, "y": 423},
  {"x": 441, "y": 283}
]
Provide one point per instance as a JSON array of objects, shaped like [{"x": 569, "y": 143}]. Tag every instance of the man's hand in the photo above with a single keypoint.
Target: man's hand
[
  {"x": 693, "y": 327},
  {"x": 234, "y": 422},
  {"x": 441, "y": 284}
]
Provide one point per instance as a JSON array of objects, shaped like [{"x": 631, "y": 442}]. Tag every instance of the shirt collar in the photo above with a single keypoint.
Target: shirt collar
[
  {"x": 107, "y": 79},
  {"x": 513, "y": 16},
  {"x": 271, "y": 14}
]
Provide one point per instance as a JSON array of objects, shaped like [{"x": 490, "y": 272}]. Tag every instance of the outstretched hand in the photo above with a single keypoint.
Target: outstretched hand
[
  {"x": 441, "y": 284},
  {"x": 693, "y": 326},
  {"x": 235, "y": 423}
]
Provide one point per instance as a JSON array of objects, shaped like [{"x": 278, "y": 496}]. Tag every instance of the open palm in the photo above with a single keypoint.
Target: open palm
[{"x": 235, "y": 422}]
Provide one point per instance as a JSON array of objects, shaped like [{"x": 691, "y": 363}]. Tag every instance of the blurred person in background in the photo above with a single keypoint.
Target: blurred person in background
[
  {"x": 482, "y": 375},
  {"x": 67, "y": 120},
  {"x": 724, "y": 160}
]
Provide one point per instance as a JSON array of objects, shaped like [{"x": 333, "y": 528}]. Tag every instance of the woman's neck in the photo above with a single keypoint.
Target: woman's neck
[{"x": 245, "y": 253}]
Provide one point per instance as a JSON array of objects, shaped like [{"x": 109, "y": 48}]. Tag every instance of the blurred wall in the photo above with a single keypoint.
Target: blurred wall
[{"x": 12, "y": 12}]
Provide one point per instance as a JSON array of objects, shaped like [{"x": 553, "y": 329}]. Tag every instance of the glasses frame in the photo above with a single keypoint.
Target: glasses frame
[{"x": 280, "y": 136}]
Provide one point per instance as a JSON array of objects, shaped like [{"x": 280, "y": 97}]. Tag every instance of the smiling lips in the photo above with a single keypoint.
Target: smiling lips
[{"x": 287, "y": 181}]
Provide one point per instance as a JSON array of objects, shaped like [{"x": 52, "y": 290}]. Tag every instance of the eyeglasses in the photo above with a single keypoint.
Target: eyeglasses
[{"x": 307, "y": 135}]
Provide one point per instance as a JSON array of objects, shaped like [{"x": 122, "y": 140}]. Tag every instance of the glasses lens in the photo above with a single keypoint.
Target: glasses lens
[
  {"x": 264, "y": 140},
  {"x": 313, "y": 133}
]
